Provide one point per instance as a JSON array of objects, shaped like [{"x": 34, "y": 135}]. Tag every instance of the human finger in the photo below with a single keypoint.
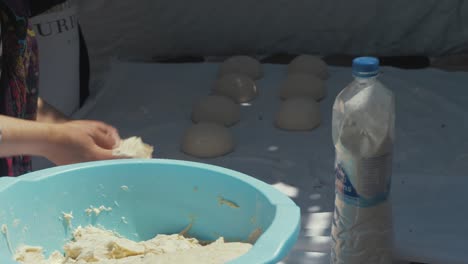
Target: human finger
[{"x": 103, "y": 140}]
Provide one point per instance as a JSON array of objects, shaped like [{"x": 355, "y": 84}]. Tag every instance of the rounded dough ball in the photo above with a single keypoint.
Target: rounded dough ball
[
  {"x": 302, "y": 85},
  {"x": 207, "y": 140},
  {"x": 298, "y": 114},
  {"x": 242, "y": 64},
  {"x": 238, "y": 87},
  {"x": 217, "y": 109},
  {"x": 309, "y": 64}
]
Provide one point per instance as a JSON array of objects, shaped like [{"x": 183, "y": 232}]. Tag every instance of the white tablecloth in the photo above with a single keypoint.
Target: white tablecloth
[{"x": 430, "y": 164}]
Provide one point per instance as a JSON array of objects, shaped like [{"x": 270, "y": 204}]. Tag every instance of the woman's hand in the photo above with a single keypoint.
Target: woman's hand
[{"x": 81, "y": 141}]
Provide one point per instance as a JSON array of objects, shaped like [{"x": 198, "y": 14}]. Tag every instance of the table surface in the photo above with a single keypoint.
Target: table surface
[{"x": 154, "y": 101}]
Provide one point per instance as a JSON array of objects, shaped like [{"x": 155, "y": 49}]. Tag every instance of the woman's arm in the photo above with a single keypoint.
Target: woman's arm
[
  {"x": 64, "y": 143},
  {"x": 55, "y": 137},
  {"x": 21, "y": 137}
]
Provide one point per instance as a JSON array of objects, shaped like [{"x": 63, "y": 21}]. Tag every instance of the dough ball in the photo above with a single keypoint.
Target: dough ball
[
  {"x": 207, "y": 140},
  {"x": 133, "y": 147},
  {"x": 302, "y": 85},
  {"x": 217, "y": 109},
  {"x": 242, "y": 64},
  {"x": 298, "y": 114},
  {"x": 238, "y": 87},
  {"x": 309, "y": 64}
]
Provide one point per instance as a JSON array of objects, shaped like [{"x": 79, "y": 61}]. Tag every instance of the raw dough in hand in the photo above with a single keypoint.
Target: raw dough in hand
[
  {"x": 302, "y": 85},
  {"x": 207, "y": 140},
  {"x": 309, "y": 64},
  {"x": 298, "y": 114},
  {"x": 134, "y": 147},
  {"x": 242, "y": 64},
  {"x": 216, "y": 109},
  {"x": 239, "y": 87}
]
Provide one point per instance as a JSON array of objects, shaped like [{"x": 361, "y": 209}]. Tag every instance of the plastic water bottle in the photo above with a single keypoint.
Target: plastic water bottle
[{"x": 363, "y": 134}]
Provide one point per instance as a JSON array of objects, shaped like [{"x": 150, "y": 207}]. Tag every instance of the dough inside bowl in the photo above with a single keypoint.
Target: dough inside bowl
[{"x": 98, "y": 246}]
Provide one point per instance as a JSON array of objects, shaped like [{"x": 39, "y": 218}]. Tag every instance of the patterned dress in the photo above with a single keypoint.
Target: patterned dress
[{"x": 19, "y": 74}]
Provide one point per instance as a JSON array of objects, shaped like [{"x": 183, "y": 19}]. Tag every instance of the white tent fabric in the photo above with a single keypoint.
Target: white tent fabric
[
  {"x": 58, "y": 42},
  {"x": 144, "y": 29},
  {"x": 154, "y": 101}
]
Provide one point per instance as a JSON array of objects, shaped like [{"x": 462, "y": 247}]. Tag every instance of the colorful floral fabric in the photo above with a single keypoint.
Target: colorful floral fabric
[{"x": 19, "y": 74}]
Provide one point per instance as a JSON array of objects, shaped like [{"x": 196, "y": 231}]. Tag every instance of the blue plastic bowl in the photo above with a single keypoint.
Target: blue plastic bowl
[{"x": 163, "y": 196}]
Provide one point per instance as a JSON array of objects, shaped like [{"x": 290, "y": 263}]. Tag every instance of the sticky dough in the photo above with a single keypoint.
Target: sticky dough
[
  {"x": 309, "y": 64},
  {"x": 207, "y": 140},
  {"x": 134, "y": 147},
  {"x": 216, "y": 109},
  {"x": 302, "y": 85},
  {"x": 243, "y": 65},
  {"x": 98, "y": 246},
  {"x": 298, "y": 114},
  {"x": 239, "y": 87}
]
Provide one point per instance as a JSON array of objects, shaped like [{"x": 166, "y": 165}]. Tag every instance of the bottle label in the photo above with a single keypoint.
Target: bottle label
[{"x": 363, "y": 182}]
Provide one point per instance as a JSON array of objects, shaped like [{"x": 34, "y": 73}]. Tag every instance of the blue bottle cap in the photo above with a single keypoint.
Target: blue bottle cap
[{"x": 365, "y": 67}]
